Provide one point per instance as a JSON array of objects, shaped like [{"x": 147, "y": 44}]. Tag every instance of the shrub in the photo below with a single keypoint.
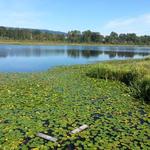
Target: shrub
[{"x": 145, "y": 89}]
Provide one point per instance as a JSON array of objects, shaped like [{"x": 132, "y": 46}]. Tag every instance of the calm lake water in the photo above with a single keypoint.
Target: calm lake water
[{"x": 40, "y": 58}]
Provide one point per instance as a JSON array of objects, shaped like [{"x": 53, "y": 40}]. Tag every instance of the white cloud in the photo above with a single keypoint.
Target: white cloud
[{"x": 139, "y": 25}]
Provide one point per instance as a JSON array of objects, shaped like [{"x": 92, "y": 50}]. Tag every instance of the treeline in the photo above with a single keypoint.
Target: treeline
[
  {"x": 72, "y": 36},
  {"x": 29, "y": 34},
  {"x": 113, "y": 38}
]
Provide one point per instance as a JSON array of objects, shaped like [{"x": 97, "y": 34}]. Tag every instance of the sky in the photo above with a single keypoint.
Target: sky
[{"x": 104, "y": 16}]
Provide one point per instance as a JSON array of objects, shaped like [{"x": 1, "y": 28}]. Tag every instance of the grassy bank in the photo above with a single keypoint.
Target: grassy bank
[
  {"x": 27, "y": 42},
  {"x": 135, "y": 74},
  {"x": 59, "y": 100}
]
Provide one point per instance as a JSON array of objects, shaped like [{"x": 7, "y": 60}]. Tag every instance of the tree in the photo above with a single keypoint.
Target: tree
[
  {"x": 131, "y": 38},
  {"x": 86, "y": 36},
  {"x": 113, "y": 38},
  {"x": 74, "y": 36},
  {"x": 123, "y": 38}
]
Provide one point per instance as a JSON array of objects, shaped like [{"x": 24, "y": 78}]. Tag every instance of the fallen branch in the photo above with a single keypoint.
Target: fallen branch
[
  {"x": 47, "y": 137},
  {"x": 81, "y": 128}
]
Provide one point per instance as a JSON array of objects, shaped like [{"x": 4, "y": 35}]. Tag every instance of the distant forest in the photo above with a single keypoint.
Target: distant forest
[{"x": 72, "y": 36}]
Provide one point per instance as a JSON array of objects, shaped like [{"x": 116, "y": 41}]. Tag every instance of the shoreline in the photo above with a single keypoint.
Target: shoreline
[
  {"x": 45, "y": 43},
  {"x": 75, "y": 65}
]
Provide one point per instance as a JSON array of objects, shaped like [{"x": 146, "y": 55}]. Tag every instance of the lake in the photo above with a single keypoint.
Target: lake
[{"x": 23, "y": 58}]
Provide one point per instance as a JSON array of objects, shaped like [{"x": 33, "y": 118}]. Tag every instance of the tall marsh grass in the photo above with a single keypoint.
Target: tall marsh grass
[{"x": 136, "y": 76}]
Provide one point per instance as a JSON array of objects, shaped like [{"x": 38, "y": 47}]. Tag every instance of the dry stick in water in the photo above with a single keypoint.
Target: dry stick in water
[
  {"x": 47, "y": 137},
  {"x": 81, "y": 128}
]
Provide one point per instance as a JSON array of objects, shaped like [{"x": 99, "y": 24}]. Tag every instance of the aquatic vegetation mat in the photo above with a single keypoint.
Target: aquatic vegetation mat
[{"x": 59, "y": 100}]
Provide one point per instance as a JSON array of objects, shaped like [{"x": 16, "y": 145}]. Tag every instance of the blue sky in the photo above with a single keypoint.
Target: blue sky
[{"x": 104, "y": 16}]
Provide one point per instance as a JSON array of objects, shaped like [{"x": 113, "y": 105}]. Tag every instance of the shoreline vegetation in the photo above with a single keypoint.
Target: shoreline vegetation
[
  {"x": 74, "y": 37},
  {"x": 135, "y": 74},
  {"x": 49, "y": 43},
  {"x": 101, "y": 95}
]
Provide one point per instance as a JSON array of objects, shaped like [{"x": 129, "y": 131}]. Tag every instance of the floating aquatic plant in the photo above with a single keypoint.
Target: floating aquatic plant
[{"x": 59, "y": 100}]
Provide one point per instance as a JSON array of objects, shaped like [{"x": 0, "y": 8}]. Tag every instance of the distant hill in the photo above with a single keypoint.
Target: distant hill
[
  {"x": 35, "y": 30},
  {"x": 52, "y": 32}
]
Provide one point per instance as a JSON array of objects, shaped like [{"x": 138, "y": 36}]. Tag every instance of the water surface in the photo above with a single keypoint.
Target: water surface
[{"x": 16, "y": 58}]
